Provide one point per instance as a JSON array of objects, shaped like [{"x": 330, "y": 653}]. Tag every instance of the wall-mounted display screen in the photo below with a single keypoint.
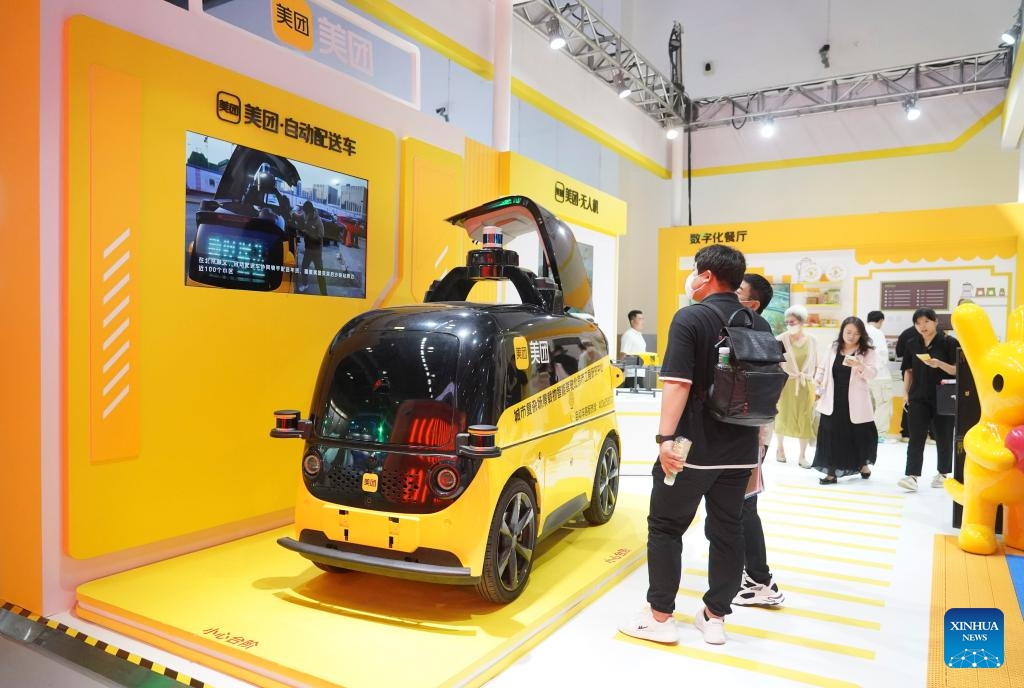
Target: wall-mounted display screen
[{"x": 259, "y": 221}]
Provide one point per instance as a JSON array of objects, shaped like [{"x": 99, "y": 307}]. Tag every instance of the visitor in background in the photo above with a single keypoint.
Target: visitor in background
[
  {"x": 796, "y": 405},
  {"x": 927, "y": 360},
  {"x": 757, "y": 587},
  {"x": 847, "y": 436},
  {"x": 880, "y": 386}
]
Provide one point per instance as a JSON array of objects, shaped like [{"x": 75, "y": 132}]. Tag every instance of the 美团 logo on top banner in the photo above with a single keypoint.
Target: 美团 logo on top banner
[{"x": 973, "y": 638}]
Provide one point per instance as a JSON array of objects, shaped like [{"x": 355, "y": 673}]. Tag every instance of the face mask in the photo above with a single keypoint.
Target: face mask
[
  {"x": 688, "y": 286},
  {"x": 793, "y": 329}
]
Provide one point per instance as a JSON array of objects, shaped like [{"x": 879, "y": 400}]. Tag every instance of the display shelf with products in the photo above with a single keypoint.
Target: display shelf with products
[{"x": 823, "y": 300}]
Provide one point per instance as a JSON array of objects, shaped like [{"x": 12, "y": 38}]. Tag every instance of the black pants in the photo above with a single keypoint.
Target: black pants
[
  {"x": 672, "y": 510},
  {"x": 756, "y": 557},
  {"x": 923, "y": 416}
]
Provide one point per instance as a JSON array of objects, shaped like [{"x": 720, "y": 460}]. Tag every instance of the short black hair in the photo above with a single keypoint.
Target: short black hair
[
  {"x": 632, "y": 314},
  {"x": 725, "y": 263},
  {"x": 760, "y": 290},
  {"x": 875, "y": 316},
  {"x": 308, "y": 205},
  {"x": 925, "y": 312}
]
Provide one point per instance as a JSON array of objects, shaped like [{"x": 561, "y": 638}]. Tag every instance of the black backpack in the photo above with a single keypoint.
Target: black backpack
[{"x": 747, "y": 390}]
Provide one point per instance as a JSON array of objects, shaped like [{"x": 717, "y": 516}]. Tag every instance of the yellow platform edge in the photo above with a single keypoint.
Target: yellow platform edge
[{"x": 578, "y": 567}]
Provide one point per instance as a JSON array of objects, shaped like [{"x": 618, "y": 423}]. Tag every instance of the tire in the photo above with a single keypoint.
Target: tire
[
  {"x": 329, "y": 569},
  {"x": 508, "y": 559},
  {"x": 606, "y": 485}
]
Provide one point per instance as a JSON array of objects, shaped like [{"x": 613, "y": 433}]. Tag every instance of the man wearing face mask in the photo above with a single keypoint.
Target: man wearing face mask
[{"x": 717, "y": 468}]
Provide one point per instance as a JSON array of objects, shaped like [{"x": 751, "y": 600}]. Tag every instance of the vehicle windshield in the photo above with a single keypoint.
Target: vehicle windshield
[{"x": 396, "y": 388}]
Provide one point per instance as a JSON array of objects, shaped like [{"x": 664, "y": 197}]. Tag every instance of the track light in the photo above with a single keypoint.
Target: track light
[
  {"x": 555, "y": 38},
  {"x": 768, "y": 128},
  {"x": 1010, "y": 37},
  {"x": 621, "y": 87},
  {"x": 913, "y": 112},
  {"x": 672, "y": 133}
]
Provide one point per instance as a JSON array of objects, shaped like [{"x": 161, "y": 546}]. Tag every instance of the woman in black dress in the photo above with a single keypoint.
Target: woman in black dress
[{"x": 847, "y": 436}]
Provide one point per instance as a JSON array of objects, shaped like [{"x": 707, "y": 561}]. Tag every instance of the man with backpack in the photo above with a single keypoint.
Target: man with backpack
[{"x": 718, "y": 466}]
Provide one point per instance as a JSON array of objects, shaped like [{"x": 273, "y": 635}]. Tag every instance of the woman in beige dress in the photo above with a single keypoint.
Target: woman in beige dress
[{"x": 796, "y": 405}]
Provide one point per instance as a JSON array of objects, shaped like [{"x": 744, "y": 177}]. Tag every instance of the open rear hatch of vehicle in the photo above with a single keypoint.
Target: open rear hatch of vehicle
[{"x": 518, "y": 215}]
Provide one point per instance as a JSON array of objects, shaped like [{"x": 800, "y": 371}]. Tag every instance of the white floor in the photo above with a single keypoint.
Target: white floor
[{"x": 854, "y": 561}]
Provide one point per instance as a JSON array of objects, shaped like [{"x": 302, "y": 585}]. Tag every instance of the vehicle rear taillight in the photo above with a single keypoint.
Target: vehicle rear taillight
[
  {"x": 445, "y": 480},
  {"x": 312, "y": 464}
]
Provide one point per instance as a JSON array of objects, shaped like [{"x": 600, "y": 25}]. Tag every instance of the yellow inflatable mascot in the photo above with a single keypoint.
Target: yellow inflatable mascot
[{"x": 994, "y": 469}]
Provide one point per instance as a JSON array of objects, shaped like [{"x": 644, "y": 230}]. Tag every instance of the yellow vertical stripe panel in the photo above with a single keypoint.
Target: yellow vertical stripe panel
[
  {"x": 115, "y": 153},
  {"x": 432, "y": 190}
]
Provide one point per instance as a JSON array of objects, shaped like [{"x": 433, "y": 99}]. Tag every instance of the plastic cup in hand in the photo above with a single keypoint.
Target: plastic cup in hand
[{"x": 680, "y": 448}]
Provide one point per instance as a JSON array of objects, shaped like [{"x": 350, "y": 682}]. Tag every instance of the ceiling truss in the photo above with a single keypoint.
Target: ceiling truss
[{"x": 601, "y": 50}]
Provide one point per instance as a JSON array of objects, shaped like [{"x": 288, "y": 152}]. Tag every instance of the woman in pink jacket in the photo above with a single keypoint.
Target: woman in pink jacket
[{"x": 847, "y": 437}]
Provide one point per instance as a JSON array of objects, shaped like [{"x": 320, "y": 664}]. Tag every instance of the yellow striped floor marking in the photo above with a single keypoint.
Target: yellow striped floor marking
[
  {"x": 817, "y": 529},
  {"x": 746, "y": 664},
  {"x": 833, "y": 543},
  {"x": 840, "y": 490},
  {"x": 829, "y": 557},
  {"x": 783, "y": 512},
  {"x": 863, "y": 512},
  {"x": 805, "y": 613},
  {"x": 833, "y": 500},
  {"x": 789, "y": 638},
  {"x": 812, "y": 572},
  {"x": 105, "y": 647},
  {"x": 815, "y": 592}
]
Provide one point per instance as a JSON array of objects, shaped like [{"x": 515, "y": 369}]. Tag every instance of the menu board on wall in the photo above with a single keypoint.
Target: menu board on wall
[{"x": 910, "y": 296}]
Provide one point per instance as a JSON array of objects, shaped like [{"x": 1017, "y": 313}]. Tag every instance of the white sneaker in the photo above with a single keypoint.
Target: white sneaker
[
  {"x": 713, "y": 629},
  {"x": 908, "y": 483},
  {"x": 753, "y": 593},
  {"x": 938, "y": 480},
  {"x": 644, "y": 626}
]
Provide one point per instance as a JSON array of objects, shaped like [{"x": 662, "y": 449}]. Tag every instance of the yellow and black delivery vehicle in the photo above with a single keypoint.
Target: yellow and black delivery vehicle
[{"x": 446, "y": 439}]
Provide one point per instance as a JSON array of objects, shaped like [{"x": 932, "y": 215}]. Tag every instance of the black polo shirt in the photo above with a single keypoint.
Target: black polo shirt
[
  {"x": 690, "y": 356},
  {"x": 926, "y": 379}
]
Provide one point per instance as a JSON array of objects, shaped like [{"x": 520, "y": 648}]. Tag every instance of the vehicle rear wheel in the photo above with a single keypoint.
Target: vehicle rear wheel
[
  {"x": 510, "y": 544},
  {"x": 606, "y": 485}
]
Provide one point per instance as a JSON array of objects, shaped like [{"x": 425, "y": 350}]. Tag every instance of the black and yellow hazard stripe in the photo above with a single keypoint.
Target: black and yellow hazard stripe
[{"x": 104, "y": 646}]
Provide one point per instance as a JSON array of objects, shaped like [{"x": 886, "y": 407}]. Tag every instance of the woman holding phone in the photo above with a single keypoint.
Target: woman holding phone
[{"x": 847, "y": 436}]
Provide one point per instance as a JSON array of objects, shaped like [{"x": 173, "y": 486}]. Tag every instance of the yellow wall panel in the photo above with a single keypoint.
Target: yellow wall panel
[
  {"x": 569, "y": 199},
  {"x": 210, "y": 364},
  {"x": 431, "y": 190}
]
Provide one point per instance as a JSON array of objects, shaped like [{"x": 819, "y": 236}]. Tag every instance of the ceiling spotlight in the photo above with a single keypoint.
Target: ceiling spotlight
[
  {"x": 768, "y": 128},
  {"x": 1008, "y": 38},
  {"x": 621, "y": 87},
  {"x": 557, "y": 41},
  {"x": 913, "y": 112},
  {"x": 672, "y": 133}
]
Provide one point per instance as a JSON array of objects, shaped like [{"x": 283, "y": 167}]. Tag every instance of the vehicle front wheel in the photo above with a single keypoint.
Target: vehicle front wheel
[
  {"x": 606, "y": 485},
  {"x": 510, "y": 544}
]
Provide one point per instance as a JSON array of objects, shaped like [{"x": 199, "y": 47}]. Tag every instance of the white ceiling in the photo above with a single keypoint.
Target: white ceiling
[{"x": 755, "y": 44}]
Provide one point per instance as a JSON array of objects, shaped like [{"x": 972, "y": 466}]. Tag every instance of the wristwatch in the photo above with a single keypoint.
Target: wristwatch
[{"x": 663, "y": 438}]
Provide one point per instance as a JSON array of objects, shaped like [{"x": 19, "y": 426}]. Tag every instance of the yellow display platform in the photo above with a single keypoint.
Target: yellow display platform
[
  {"x": 254, "y": 610},
  {"x": 967, "y": 580}
]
